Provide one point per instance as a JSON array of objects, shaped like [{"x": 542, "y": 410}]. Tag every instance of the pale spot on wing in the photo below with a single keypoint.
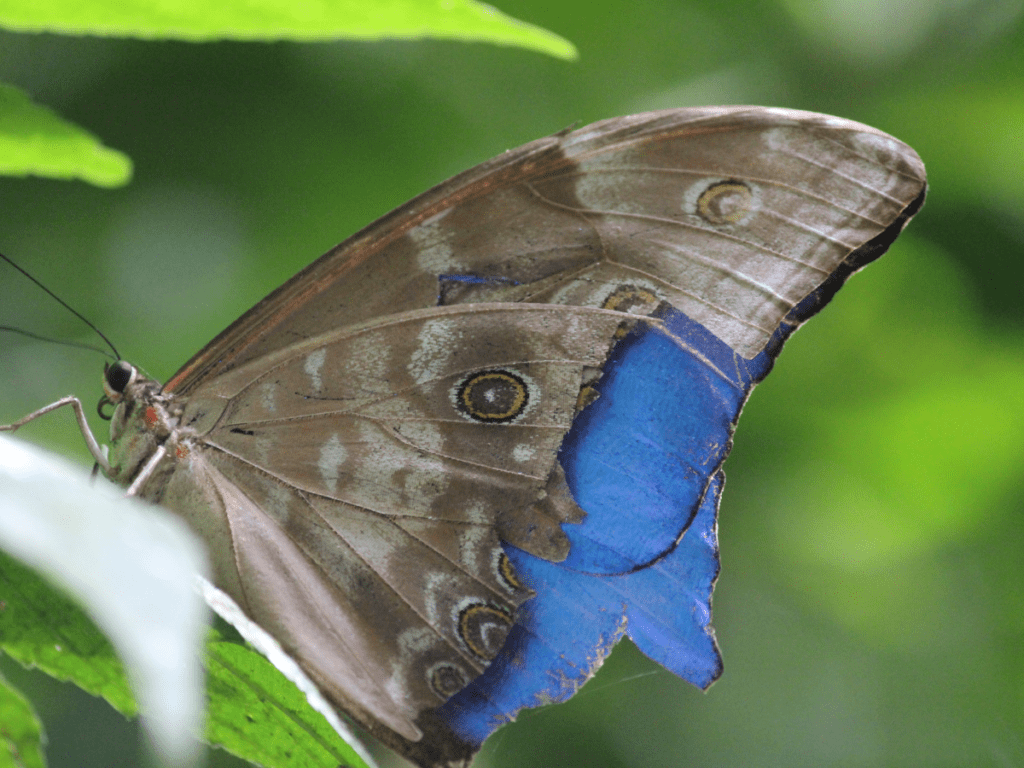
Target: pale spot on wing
[
  {"x": 268, "y": 396},
  {"x": 263, "y": 447},
  {"x": 476, "y": 511},
  {"x": 883, "y": 150},
  {"x": 434, "y": 253},
  {"x": 602, "y": 191},
  {"x": 332, "y": 456},
  {"x": 380, "y": 467},
  {"x": 428, "y": 479},
  {"x": 313, "y": 366},
  {"x": 369, "y": 362},
  {"x": 280, "y": 498},
  {"x": 437, "y": 585},
  {"x": 436, "y": 342},
  {"x": 523, "y": 452},
  {"x": 870, "y": 169},
  {"x": 777, "y": 138},
  {"x": 470, "y": 546},
  {"x": 412, "y": 644}
]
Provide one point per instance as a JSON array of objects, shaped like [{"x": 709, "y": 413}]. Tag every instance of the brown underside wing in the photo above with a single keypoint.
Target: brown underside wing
[{"x": 356, "y": 448}]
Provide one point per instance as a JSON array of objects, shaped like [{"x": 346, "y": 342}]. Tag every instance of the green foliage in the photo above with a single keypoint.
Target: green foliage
[
  {"x": 41, "y": 628},
  {"x": 281, "y": 20},
  {"x": 33, "y": 140},
  {"x": 255, "y": 713},
  {"x": 21, "y": 735}
]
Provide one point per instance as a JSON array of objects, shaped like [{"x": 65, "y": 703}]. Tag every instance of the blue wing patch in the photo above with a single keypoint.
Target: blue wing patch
[
  {"x": 640, "y": 457},
  {"x": 644, "y": 461},
  {"x": 564, "y": 633}
]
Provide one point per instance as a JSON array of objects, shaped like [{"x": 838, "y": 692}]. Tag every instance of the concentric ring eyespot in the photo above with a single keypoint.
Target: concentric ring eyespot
[
  {"x": 725, "y": 202},
  {"x": 483, "y": 627},
  {"x": 492, "y": 396},
  {"x": 446, "y": 679}
]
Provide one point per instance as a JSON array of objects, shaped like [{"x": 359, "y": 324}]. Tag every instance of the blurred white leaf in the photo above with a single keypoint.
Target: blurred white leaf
[{"x": 130, "y": 565}]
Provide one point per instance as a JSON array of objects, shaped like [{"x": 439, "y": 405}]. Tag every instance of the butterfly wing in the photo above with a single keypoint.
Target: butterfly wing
[
  {"x": 354, "y": 485},
  {"x": 640, "y": 478},
  {"x": 644, "y": 461},
  {"x": 731, "y": 214},
  {"x": 327, "y": 455}
]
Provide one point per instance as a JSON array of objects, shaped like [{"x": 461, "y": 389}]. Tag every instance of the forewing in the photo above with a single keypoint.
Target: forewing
[{"x": 731, "y": 214}]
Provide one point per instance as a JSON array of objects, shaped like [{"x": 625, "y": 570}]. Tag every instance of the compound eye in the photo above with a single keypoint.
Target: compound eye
[{"x": 118, "y": 376}]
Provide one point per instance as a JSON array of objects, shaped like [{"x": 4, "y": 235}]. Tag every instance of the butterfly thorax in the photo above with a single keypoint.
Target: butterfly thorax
[{"x": 144, "y": 423}]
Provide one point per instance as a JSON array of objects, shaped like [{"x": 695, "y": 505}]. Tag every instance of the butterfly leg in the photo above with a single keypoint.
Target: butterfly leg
[
  {"x": 146, "y": 472},
  {"x": 94, "y": 447}
]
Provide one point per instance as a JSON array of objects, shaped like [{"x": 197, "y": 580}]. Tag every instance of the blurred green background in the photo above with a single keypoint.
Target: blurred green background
[{"x": 871, "y": 604}]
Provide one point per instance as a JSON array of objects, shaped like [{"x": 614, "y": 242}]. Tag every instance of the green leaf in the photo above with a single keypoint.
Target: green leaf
[
  {"x": 258, "y": 714},
  {"x": 21, "y": 735},
  {"x": 282, "y": 19},
  {"x": 131, "y": 565},
  {"x": 41, "y": 628},
  {"x": 264, "y": 708},
  {"x": 34, "y": 140}
]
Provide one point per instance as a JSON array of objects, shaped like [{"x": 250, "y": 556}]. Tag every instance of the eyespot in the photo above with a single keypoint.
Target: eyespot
[
  {"x": 507, "y": 574},
  {"x": 446, "y": 679},
  {"x": 493, "y": 396},
  {"x": 725, "y": 202},
  {"x": 483, "y": 628},
  {"x": 633, "y": 300}
]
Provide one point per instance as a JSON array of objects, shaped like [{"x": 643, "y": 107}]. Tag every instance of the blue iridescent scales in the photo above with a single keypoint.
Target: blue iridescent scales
[{"x": 644, "y": 460}]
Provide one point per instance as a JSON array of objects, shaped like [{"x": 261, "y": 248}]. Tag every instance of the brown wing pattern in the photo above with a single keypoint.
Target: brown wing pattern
[
  {"x": 371, "y": 465},
  {"x": 367, "y": 435},
  {"x": 732, "y": 214}
]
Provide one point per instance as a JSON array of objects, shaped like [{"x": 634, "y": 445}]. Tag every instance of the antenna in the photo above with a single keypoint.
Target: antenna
[{"x": 66, "y": 306}]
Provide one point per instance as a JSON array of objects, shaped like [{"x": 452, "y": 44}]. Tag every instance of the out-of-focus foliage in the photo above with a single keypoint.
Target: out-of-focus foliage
[
  {"x": 35, "y": 141},
  {"x": 130, "y": 566},
  {"x": 870, "y": 604},
  {"x": 21, "y": 733},
  {"x": 197, "y": 21}
]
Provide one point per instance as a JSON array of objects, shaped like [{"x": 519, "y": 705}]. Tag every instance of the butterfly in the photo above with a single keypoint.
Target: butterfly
[{"x": 453, "y": 461}]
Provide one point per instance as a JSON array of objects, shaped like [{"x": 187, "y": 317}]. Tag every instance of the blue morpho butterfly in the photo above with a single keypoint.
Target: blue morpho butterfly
[{"x": 449, "y": 464}]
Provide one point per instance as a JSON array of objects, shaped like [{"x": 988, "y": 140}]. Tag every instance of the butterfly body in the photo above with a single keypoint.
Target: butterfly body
[{"x": 451, "y": 462}]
